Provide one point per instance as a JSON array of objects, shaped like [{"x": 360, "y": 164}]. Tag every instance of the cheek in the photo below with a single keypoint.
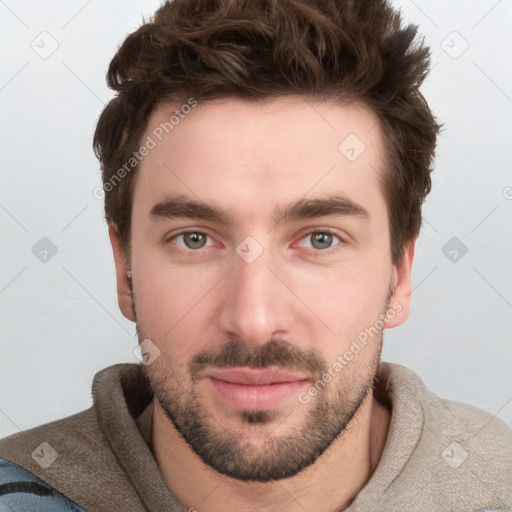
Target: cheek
[
  {"x": 347, "y": 303},
  {"x": 345, "y": 294},
  {"x": 172, "y": 306}
]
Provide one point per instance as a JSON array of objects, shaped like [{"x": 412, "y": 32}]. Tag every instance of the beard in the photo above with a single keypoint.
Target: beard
[
  {"x": 281, "y": 456},
  {"x": 230, "y": 451}
]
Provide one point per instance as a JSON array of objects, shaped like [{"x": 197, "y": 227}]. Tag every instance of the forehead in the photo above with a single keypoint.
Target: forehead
[{"x": 249, "y": 157}]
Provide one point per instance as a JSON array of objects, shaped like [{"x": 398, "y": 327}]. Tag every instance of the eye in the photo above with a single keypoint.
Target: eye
[
  {"x": 190, "y": 239},
  {"x": 322, "y": 240}
]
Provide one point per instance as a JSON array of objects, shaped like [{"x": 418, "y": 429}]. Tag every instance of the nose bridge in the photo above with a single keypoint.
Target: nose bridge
[{"x": 254, "y": 307}]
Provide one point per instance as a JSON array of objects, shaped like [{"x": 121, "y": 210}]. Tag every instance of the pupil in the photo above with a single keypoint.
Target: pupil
[
  {"x": 195, "y": 240},
  {"x": 325, "y": 240}
]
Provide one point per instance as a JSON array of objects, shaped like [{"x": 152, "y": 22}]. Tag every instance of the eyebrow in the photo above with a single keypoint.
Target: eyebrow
[{"x": 179, "y": 206}]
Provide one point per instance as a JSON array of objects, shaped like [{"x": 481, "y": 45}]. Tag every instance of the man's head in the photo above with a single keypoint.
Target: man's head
[
  {"x": 338, "y": 50},
  {"x": 271, "y": 224}
]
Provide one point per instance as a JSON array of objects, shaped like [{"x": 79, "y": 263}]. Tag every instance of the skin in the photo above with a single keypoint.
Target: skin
[{"x": 248, "y": 159}]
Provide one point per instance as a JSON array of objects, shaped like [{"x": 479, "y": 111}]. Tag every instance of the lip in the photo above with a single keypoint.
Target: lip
[
  {"x": 255, "y": 377},
  {"x": 256, "y": 390}
]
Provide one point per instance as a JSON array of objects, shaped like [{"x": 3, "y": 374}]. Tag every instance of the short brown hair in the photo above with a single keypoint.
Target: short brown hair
[{"x": 332, "y": 50}]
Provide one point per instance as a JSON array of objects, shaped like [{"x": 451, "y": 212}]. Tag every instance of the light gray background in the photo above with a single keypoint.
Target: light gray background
[{"x": 60, "y": 321}]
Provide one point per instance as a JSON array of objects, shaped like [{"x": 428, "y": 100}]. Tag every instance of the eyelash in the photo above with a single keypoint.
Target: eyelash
[{"x": 317, "y": 252}]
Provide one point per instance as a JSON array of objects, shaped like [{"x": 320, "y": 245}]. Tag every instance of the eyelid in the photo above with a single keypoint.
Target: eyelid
[{"x": 331, "y": 231}]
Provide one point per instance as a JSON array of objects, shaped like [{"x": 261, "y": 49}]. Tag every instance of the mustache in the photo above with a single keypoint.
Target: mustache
[{"x": 275, "y": 352}]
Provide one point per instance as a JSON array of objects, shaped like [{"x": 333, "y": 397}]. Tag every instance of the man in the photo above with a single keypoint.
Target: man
[{"x": 264, "y": 165}]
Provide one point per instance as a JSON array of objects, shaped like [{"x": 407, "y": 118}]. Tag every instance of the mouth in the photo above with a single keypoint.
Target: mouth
[{"x": 254, "y": 389}]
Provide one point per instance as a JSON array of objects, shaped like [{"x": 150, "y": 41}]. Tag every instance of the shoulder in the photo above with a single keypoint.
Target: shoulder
[
  {"x": 488, "y": 437},
  {"x": 65, "y": 458},
  {"x": 39, "y": 447},
  {"x": 448, "y": 417},
  {"x": 479, "y": 438},
  {"x": 478, "y": 423},
  {"x": 20, "y": 490},
  {"x": 462, "y": 454},
  {"x": 474, "y": 452},
  {"x": 86, "y": 456},
  {"x": 74, "y": 440}
]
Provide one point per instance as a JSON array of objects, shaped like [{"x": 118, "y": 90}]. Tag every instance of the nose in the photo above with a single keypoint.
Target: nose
[{"x": 256, "y": 305}]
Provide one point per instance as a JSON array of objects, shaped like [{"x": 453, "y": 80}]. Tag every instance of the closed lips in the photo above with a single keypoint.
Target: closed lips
[{"x": 251, "y": 377}]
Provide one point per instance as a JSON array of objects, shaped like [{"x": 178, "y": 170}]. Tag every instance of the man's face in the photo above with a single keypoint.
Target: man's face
[{"x": 252, "y": 307}]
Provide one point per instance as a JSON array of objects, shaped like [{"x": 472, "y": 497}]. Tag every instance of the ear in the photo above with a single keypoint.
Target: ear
[
  {"x": 124, "y": 298},
  {"x": 399, "y": 303}
]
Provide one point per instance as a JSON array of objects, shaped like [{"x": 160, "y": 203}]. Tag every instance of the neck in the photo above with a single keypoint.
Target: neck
[{"x": 330, "y": 484}]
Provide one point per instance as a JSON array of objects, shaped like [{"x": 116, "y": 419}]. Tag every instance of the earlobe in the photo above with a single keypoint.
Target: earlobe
[
  {"x": 399, "y": 303},
  {"x": 123, "y": 274}
]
